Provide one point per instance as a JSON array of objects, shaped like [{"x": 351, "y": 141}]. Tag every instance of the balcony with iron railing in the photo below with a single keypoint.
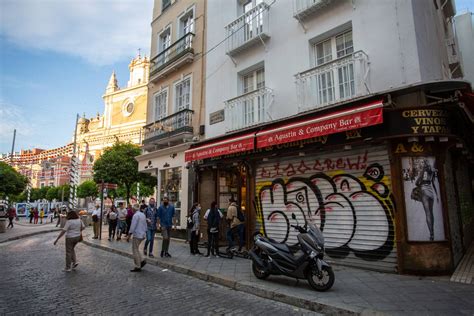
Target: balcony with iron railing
[
  {"x": 176, "y": 55},
  {"x": 169, "y": 130},
  {"x": 249, "y": 109},
  {"x": 248, "y": 29},
  {"x": 332, "y": 82},
  {"x": 304, "y": 8}
]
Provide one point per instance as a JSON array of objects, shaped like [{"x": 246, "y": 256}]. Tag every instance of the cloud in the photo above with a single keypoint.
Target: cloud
[
  {"x": 12, "y": 116},
  {"x": 101, "y": 32}
]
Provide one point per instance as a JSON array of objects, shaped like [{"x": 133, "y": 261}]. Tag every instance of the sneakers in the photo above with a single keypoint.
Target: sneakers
[
  {"x": 67, "y": 270},
  {"x": 74, "y": 265}
]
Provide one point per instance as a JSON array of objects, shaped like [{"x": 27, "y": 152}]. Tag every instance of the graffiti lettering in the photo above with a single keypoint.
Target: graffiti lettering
[{"x": 355, "y": 214}]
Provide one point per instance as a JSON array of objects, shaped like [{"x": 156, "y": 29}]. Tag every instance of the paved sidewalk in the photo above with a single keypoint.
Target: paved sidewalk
[
  {"x": 23, "y": 229},
  {"x": 355, "y": 291}
]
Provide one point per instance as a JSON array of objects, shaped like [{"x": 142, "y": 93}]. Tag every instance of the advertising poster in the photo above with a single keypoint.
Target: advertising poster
[{"x": 422, "y": 199}]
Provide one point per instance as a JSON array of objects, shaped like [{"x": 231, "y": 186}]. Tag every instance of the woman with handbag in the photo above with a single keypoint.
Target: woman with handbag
[
  {"x": 73, "y": 230},
  {"x": 426, "y": 185}
]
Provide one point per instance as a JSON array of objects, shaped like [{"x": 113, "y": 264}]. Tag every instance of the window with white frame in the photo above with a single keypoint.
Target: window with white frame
[
  {"x": 253, "y": 23},
  {"x": 335, "y": 83},
  {"x": 253, "y": 107},
  {"x": 182, "y": 92},
  {"x": 164, "y": 41},
  {"x": 161, "y": 104},
  {"x": 186, "y": 23}
]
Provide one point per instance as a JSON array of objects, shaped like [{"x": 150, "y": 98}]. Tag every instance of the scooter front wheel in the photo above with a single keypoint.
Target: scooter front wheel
[
  {"x": 322, "y": 281},
  {"x": 259, "y": 272}
]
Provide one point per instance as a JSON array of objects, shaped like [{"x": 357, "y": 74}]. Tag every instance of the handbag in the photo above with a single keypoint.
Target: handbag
[{"x": 416, "y": 194}]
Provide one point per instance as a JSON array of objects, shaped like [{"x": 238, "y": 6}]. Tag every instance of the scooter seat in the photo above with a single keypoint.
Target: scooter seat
[{"x": 282, "y": 247}]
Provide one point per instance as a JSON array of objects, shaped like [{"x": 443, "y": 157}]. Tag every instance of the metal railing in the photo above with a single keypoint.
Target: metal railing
[
  {"x": 332, "y": 82},
  {"x": 250, "y": 25},
  {"x": 178, "y": 122},
  {"x": 302, "y": 8},
  {"x": 249, "y": 109},
  {"x": 173, "y": 52}
]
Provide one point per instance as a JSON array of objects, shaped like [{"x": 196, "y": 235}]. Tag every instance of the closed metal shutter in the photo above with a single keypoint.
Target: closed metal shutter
[{"x": 346, "y": 193}]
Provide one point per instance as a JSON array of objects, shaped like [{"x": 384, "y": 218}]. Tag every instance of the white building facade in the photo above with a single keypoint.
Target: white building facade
[{"x": 332, "y": 110}]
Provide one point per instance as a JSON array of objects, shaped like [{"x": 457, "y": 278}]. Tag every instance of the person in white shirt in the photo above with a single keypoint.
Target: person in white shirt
[
  {"x": 96, "y": 221},
  {"x": 122, "y": 220},
  {"x": 73, "y": 230},
  {"x": 138, "y": 229}
]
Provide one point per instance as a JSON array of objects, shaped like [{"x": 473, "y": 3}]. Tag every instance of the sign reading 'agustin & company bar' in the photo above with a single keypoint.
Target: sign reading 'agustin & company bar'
[{"x": 420, "y": 121}]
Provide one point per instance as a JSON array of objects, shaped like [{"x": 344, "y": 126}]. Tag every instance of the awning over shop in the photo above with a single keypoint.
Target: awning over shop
[
  {"x": 341, "y": 121},
  {"x": 221, "y": 148}
]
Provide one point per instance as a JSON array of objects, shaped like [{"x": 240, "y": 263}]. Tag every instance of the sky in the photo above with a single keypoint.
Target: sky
[{"x": 56, "y": 57}]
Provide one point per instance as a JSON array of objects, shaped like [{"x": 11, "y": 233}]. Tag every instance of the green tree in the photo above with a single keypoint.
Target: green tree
[
  {"x": 52, "y": 194},
  {"x": 87, "y": 189},
  {"x": 118, "y": 165},
  {"x": 11, "y": 182}
]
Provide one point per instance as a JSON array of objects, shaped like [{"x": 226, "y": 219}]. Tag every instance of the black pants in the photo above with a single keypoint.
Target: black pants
[
  {"x": 194, "y": 242},
  {"x": 112, "y": 228},
  {"x": 212, "y": 243},
  {"x": 11, "y": 222}
]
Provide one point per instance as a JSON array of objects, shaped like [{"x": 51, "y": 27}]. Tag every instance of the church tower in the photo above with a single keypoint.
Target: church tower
[{"x": 139, "y": 71}]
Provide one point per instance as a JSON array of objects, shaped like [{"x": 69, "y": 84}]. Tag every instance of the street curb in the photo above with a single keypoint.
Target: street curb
[
  {"x": 243, "y": 286},
  {"x": 30, "y": 234}
]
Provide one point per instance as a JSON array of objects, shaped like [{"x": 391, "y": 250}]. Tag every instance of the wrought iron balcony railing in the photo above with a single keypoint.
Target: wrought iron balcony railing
[
  {"x": 248, "y": 29},
  {"x": 179, "y": 122},
  {"x": 332, "y": 82},
  {"x": 173, "y": 53},
  {"x": 304, "y": 8},
  {"x": 249, "y": 109}
]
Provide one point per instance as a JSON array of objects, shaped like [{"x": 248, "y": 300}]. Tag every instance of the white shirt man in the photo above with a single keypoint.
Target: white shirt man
[{"x": 138, "y": 229}]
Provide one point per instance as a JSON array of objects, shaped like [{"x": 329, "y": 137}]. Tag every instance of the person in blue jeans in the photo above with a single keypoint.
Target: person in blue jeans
[
  {"x": 166, "y": 213},
  {"x": 151, "y": 214},
  {"x": 235, "y": 225}
]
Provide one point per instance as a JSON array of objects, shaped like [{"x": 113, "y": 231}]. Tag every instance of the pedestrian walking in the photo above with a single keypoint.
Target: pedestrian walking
[
  {"x": 213, "y": 217},
  {"x": 41, "y": 216},
  {"x": 151, "y": 214},
  {"x": 31, "y": 214},
  {"x": 236, "y": 226},
  {"x": 138, "y": 229},
  {"x": 73, "y": 230},
  {"x": 96, "y": 221},
  {"x": 112, "y": 218},
  {"x": 36, "y": 215},
  {"x": 196, "y": 208},
  {"x": 122, "y": 217},
  {"x": 11, "y": 216},
  {"x": 166, "y": 213}
]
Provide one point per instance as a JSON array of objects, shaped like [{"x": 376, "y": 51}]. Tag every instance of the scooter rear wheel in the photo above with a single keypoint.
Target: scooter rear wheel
[
  {"x": 324, "y": 281},
  {"x": 259, "y": 272}
]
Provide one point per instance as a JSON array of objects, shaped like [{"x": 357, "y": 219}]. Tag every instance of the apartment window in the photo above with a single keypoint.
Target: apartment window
[
  {"x": 164, "y": 40},
  {"x": 182, "y": 92},
  {"x": 186, "y": 22},
  {"x": 253, "y": 22},
  {"x": 165, "y": 4},
  {"x": 161, "y": 102},
  {"x": 337, "y": 82},
  {"x": 344, "y": 45},
  {"x": 253, "y": 107}
]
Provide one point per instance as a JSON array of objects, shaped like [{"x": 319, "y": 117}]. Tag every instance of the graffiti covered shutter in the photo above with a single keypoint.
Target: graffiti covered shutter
[{"x": 346, "y": 193}]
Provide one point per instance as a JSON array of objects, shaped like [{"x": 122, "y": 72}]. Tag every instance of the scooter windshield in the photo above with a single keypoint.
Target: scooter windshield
[{"x": 316, "y": 233}]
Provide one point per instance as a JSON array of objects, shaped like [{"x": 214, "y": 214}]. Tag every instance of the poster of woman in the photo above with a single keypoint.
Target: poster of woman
[{"x": 422, "y": 199}]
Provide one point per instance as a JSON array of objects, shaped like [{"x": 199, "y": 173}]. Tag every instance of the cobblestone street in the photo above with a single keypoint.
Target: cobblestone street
[{"x": 33, "y": 283}]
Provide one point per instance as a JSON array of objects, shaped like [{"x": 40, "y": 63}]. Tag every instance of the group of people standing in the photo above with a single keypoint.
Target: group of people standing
[{"x": 213, "y": 217}]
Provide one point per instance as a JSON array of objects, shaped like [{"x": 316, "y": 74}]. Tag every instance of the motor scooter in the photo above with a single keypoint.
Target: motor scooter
[{"x": 304, "y": 261}]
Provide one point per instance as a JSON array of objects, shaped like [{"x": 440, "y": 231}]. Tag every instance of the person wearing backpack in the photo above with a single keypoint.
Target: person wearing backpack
[
  {"x": 195, "y": 220},
  {"x": 112, "y": 216},
  {"x": 236, "y": 225},
  {"x": 213, "y": 217}
]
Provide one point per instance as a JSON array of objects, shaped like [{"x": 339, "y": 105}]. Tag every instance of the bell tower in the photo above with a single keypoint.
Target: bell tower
[{"x": 139, "y": 70}]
